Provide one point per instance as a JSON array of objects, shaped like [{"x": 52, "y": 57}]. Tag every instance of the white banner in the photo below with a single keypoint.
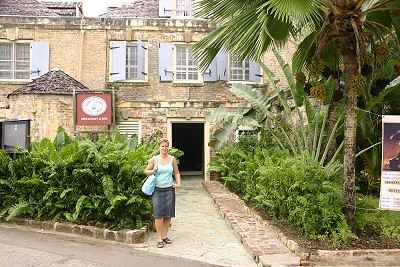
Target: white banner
[{"x": 390, "y": 179}]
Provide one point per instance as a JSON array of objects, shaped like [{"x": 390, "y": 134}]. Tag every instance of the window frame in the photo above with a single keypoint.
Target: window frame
[
  {"x": 168, "y": 9},
  {"x": 187, "y": 71},
  {"x": 13, "y": 70},
  {"x": 191, "y": 12},
  {"x": 243, "y": 67},
  {"x": 118, "y": 70}
]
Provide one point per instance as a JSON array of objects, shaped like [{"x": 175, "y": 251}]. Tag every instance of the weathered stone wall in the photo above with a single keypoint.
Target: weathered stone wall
[{"x": 46, "y": 112}]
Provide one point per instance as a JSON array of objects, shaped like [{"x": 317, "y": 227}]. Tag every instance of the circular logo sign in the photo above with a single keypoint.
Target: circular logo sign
[{"x": 94, "y": 106}]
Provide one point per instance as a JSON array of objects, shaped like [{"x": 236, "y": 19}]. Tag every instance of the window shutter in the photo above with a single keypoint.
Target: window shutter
[
  {"x": 165, "y": 8},
  {"x": 210, "y": 75},
  {"x": 222, "y": 65},
  {"x": 39, "y": 59},
  {"x": 141, "y": 60},
  {"x": 254, "y": 71},
  {"x": 118, "y": 61},
  {"x": 165, "y": 67},
  {"x": 129, "y": 127}
]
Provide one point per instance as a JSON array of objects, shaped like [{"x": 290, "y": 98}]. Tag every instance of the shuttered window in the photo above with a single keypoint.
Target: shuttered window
[
  {"x": 185, "y": 8},
  {"x": 128, "y": 61},
  {"x": 176, "y": 8},
  {"x": 246, "y": 70},
  {"x": 186, "y": 67},
  {"x": 23, "y": 60}
]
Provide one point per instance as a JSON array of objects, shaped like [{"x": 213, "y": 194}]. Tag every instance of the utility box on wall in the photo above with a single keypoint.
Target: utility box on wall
[{"x": 15, "y": 133}]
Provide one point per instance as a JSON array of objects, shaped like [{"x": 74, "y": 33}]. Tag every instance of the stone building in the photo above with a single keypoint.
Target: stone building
[{"x": 140, "y": 50}]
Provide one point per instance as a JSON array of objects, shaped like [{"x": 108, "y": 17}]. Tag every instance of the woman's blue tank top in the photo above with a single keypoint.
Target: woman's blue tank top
[{"x": 164, "y": 174}]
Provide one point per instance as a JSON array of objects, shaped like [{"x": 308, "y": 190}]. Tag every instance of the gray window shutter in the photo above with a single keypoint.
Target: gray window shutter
[
  {"x": 141, "y": 60},
  {"x": 254, "y": 72},
  {"x": 210, "y": 75},
  {"x": 118, "y": 61},
  {"x": 165, "y": 8},
  {"x": 222, "y": 65},
  {"x": 39, "y": 59},
  {"x": 165, "y": 67}
]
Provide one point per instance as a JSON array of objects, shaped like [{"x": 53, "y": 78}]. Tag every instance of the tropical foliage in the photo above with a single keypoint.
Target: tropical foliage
[
  {"x": 340, "y": 32},
  {"x": 285, "y": 186},
  {"x": 81, "y": 180}
]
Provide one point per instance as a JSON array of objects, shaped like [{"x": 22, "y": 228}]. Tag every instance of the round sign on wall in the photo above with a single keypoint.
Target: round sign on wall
[{"x": 94, "y": 106}]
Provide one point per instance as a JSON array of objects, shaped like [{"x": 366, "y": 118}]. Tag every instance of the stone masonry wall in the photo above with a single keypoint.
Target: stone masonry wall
[{"x": 80, "y": 48}]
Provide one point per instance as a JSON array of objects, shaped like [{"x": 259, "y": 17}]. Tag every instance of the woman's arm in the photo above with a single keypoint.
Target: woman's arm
[
  {"x": 151, "y": 167},
  {"x": 177, "y": 175}
]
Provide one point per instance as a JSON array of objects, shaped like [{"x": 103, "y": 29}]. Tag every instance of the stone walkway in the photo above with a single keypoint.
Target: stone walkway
[{"x": 200, "y": 231}]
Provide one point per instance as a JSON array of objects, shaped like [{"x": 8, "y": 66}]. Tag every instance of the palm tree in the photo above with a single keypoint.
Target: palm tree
[{"x": 346, "y": 27}]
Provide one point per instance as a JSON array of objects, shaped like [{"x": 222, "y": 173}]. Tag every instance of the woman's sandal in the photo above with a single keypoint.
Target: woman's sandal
[
  {"x": 167, "y": 240},
  {"x": 160, "y": 244}
]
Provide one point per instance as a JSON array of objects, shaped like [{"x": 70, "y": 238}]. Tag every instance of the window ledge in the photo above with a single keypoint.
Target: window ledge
[
  {"x": 244, "y": 82},
  {"x": 13, "y": 81},
  {"x": 199, "y": 84},
  {"x": 143, "y": 83}
]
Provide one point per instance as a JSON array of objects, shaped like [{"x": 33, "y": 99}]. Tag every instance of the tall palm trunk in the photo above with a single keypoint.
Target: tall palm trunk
[{"x": 350, "y": 123}]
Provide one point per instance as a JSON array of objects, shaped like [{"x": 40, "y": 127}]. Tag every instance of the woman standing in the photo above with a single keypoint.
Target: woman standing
[{"x": 163, "y": 166}]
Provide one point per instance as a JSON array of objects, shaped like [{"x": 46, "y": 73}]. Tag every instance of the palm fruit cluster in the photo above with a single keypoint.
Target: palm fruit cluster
[
  {"x": 381, "y": 51},
  {"x": 358, "y": 83},
  {"x": 396, "y": 67},
  {"x": 316, "y": 66},
  {"x": 300, "y": 78},
  {"x": 318, "y": 91},
  {"x": 336, "y": 73},
  {"x": 367, "y": 59},
  {"x": 378, "y": 86},
  {"x": 327, "y": 72}
]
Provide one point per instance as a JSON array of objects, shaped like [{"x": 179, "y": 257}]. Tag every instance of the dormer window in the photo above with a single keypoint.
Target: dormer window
[{"x": 176, "y": 8}]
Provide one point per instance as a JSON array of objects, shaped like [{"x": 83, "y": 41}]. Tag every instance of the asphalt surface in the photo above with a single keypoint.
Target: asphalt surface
[{"x": 24, "y": 247}]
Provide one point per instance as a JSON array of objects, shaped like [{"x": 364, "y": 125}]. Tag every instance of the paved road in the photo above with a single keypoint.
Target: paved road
[{"x": 25, "y": 247}]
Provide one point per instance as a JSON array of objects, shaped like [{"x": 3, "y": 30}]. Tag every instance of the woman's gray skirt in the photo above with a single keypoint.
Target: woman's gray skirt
[{"x": 164, "y": 202}]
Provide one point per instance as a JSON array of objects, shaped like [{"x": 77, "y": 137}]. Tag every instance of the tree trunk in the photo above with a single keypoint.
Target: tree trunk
[{"x": 350, "y": 124}]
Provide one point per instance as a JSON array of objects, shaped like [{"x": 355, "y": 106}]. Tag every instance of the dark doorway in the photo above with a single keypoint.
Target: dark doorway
[{"x": 189, "y": 137}]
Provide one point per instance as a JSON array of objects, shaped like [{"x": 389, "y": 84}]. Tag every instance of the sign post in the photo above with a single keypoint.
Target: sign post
[{"x": 94, "y": 108}]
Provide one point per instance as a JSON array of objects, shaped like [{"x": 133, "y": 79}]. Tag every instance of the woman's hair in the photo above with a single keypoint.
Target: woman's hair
[{"x": 163, "y": 140}]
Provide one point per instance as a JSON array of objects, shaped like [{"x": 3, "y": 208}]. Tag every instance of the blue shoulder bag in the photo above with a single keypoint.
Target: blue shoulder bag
[{"x": 150, "y": 183}]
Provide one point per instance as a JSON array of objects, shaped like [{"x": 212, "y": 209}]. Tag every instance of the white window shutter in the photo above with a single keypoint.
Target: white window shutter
[
  {"x": 40, "y": 59},
  {"x": 165, "y": 58},
  {"x": 210, "y": 75},
  {"x": 222, "y": 65},
  {"x": 141, "y": 60},
  {"x": 254, "y": 72},
  {"x": 129, "y": 127},
  {"x": 118, "y": 61},
  {"x": 165, "y": 8}
]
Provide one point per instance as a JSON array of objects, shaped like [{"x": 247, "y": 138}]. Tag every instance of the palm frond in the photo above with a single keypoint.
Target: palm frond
[{"x": 253, "y": 96}]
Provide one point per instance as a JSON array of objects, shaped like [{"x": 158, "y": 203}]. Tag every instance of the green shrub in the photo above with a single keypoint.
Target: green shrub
[
  {"x": 285, "y": 186},
  {"x": 81, "y": 180}
]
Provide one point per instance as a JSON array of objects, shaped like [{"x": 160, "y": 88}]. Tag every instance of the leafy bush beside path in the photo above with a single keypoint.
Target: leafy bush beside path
[
  {"x": 82, "y": 181},
  {"x": 285, "y": 186}
]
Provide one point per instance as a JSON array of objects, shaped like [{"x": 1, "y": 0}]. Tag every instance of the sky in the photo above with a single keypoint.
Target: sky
[{"x": 93, "y": 8}]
